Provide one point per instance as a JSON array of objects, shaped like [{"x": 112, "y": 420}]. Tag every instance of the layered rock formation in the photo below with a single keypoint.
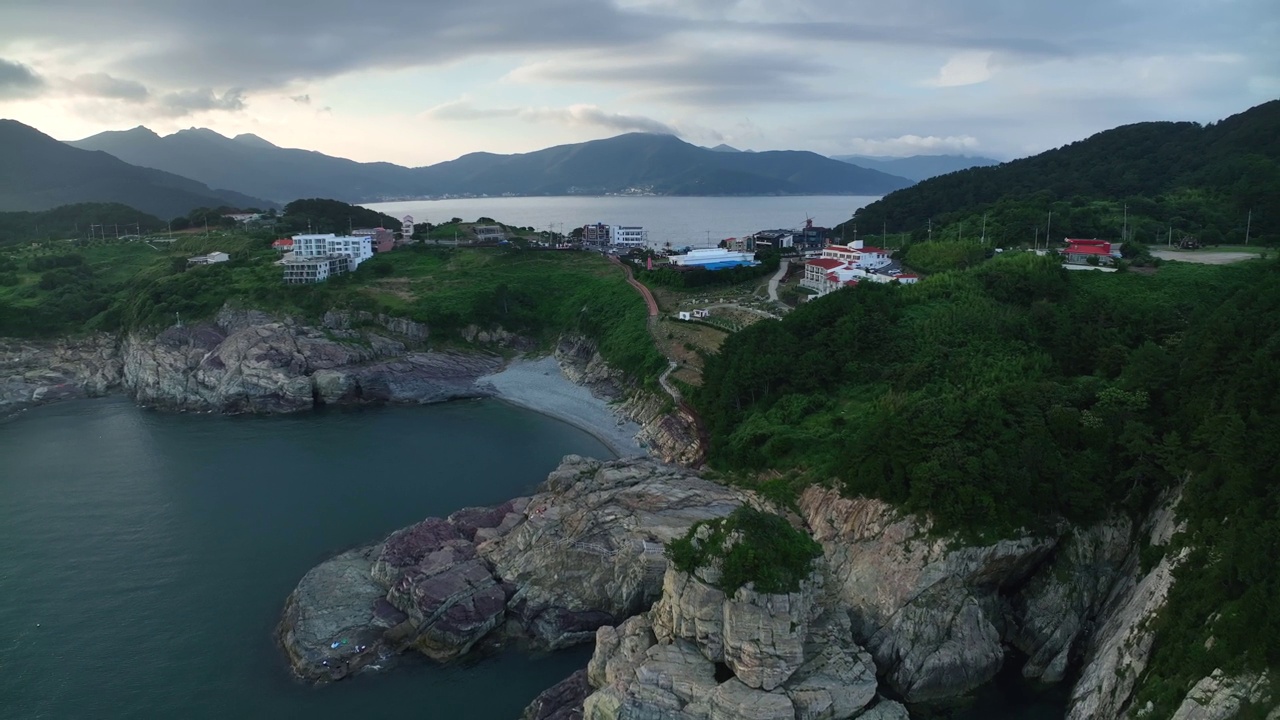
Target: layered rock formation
[
  {"x": 929, "y": 612},
  {"x": 246, "y": 361},
  {"x": 35, "y": 372},
  {"x": 701, "y": 654},
  {"x": 547, "y": 570}
]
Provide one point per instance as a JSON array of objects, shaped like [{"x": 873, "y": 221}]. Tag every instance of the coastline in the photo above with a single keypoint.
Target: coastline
[{"x": 537, "y": 384}]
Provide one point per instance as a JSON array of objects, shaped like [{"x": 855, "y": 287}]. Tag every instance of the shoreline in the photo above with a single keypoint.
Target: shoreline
[{"x": 538, "y": 384}]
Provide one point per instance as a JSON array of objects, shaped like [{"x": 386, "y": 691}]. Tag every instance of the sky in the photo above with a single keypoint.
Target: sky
[{"x": 421, "y": 81}]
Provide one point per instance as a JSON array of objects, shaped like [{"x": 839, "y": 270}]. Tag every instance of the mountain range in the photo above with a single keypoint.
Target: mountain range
[
  {"x": 918, "y": 167},
  {"x": 631, "y": 163},
  {"x": 39, "y": 173}
]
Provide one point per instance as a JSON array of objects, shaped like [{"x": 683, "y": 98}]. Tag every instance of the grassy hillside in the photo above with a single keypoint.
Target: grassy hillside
[
  {"x": 1014, "y": 395},
  {"x": 60, "y": 288}
]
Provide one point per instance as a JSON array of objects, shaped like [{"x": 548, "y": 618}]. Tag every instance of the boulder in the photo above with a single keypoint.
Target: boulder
[
  {"x": 1221, "y": 697},
  {"x": 733, "y": 700},
  {"x": 562, "y": 701}
]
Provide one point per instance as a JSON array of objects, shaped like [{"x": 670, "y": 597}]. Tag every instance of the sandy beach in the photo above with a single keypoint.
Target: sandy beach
[{"x": 538, "y": 384}]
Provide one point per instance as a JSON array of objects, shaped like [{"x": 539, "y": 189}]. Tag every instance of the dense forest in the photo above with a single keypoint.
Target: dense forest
[
  {"x": 1151, "y": 182},
  {"x": 1013, "y": 395}
]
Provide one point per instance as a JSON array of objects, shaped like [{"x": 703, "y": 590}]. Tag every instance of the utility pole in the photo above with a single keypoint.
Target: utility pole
[
  {"x": 1046, "y": 230},
  {"x": 960, "y": 232},
  {"x": 1124, "y": 232},
  {"x": 1171, "y": 235},
  {"x": 930, "y": 229},
  {"x": 1035, "y": 243},
  {"x": 1248, "y": 224},
  {"x": 983, "y": 239}
]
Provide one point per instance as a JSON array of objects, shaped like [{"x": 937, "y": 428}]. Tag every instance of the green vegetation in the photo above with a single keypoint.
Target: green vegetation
[
  {"x": 1013, "y": 395},
  {"x": 1176, "y": 179},
  {"x": 933, "y": 257},
  {"x": 752, "y": 547},
  {"x": 74, "y": 221},
  {"x": 66, "y": 287}
]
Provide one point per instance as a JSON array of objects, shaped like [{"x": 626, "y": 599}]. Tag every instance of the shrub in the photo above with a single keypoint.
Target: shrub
[{"x": 752, "y": 546}]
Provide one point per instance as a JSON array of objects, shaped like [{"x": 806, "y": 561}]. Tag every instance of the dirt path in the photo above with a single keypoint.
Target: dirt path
[
  {"x": 777, "y": 278},
  {"x": 1204, "y": 258}
]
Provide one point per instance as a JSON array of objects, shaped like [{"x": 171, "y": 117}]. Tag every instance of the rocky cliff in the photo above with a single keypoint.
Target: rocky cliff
[
  {"x": 670, "y": 433},
  {"x": 246, "y": 361},
  {"x": 546, "y": 570}
]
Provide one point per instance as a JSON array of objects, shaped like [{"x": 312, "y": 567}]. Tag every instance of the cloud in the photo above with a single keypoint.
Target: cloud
[
  {"x": 574, "y": 115},
  {"x": 18, "y": 80},
  {"x": 105, "y": 86},
  {"x": 186, "y": 102},
  {"x": 967, "y": 68},
  {"x": 301, "y": 99},
  {"x": 911, "y": 145}
]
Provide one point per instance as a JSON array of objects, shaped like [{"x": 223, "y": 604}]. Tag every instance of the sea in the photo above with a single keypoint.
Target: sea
[
  {"x": 696, "y": 222},
  {"x": 145, "y": 557}
]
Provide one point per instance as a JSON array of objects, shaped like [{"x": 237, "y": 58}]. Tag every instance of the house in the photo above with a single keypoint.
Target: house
[
  {"x": 630, "y": 236},
  {"x": 828, "y": 274},
  {"x": 357, "y": 248},
  {"x": 597, "y": 234},
  {"x": 406, "y": 229},
  {"x": 384, "y": 240},
  {"x": 1078, "y": 252},
  {"x": 489, "y": 233},
  {"x": 211, "y": 258},
  {"x": 714, "y": 259},
  {"x": 862, "y": 256},
  {"x": 776, "y": 239},
  {"x": 810, "y": 238},
  {"x": 694, "y": 314},
  {"x": 283, "y": 245},
  {"x": 306, "y": 270},
  {"x": 243, "y": 217}
]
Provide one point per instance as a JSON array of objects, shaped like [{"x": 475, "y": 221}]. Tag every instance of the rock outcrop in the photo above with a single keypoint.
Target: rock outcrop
[
  {"x": 547, "y": 570},
  {"x": 929, "y": 612},
  {"x": 670, "y": 433},
  {"x": 1121, "y": 647},
  {"x": 1221, "y": 697},
  {"x": 246, "y": 361},
  {"x": 702, "y": 654},
  {"x": 36, "y": 372},
  {"x": 1052, "y": 613}
]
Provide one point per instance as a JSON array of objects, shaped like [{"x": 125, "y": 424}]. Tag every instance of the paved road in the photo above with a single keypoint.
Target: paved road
[{"x": 777, "y": 278}]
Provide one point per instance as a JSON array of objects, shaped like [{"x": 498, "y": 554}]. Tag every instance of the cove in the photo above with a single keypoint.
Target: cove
[{"x": 145, "y": 556}]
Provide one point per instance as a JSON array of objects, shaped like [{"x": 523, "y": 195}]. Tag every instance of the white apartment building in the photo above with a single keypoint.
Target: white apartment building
[
  {"x": 630, "y": 236},
  {"x": 356, "y": 248},
  {"x": 303, "y": 271}
]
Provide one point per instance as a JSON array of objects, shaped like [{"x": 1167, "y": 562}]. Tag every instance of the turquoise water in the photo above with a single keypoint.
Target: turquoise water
[{"x": 145, "y": 557}]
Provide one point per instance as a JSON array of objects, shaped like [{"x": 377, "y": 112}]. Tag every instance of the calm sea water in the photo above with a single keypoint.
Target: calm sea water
[
  {"x": 145, "y": 557},
  {"x": 692, "y": 221}
]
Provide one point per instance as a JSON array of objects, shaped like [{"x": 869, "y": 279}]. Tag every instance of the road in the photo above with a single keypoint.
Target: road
[
  {"x": 777, "y": 278},
  {"x": 1204, "y": 258},
  {"x": 639, "y": 286}
]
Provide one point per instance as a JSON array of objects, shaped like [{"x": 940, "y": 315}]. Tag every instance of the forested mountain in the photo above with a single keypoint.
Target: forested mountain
[
  {"x": 918, "y": 167},
  {"x": 660, "y": 164},
  {"x": 1176, "y": 179},
  {"x": 39, "y": 173},
  {"x": 255, "y": 166}
]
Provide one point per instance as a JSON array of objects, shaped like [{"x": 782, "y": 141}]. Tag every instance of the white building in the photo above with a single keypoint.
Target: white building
[
  {"x": 828, "y": 274},
  {"x": 301, "y": 271},
  {"x": 861, "y": 256},
  {"x": 211, "y": 258},
  {"x": 716, "y": 257},
  {"x": 357, "y": 248},
  {"x": 630, "y": 236}
]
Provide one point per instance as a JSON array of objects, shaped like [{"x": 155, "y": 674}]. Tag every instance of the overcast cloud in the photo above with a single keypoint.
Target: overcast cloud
[{"x": 420, "y": 81}]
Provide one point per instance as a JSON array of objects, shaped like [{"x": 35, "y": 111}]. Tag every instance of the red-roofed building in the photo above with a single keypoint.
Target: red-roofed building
[
  {"x": 1079, "y": 251},
  {"x": 283, "y": 245}
]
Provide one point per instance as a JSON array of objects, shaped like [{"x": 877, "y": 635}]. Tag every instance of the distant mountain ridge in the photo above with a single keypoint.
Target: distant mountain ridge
[
  {"x": 632, "y": 163},
  {"x": 39, "y": 173},
  {"x": 918, "y": 167}
]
